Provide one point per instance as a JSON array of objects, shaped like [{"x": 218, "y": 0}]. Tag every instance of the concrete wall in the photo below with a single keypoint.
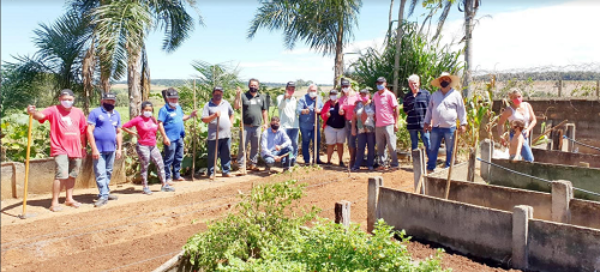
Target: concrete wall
[
  {"x": 566, "y": 158},
  {"x": 585, "y": 213},
  {"x": 41, "y": 176},
  {"x": 561, "y": 247},
  {"x": 468, "y": 229},
  {"x": 584, "y": 178}
]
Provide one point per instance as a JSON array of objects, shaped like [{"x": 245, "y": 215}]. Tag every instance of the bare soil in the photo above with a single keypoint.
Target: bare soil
[{"x": 140, "y": 232}]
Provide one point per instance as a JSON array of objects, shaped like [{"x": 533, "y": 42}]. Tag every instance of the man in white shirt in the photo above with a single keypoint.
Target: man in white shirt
[
  {"x": 287, "y": 104},
  {"x": 445, "y": 107}
]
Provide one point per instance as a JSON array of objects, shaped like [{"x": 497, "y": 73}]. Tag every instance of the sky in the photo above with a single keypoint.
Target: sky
[{"x": 510, "y": 34}]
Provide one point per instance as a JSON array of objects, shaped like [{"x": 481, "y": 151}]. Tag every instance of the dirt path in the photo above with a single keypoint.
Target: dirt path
[{"x": 139, "y": 232}]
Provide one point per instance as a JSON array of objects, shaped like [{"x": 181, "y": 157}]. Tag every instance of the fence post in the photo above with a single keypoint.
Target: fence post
[
  {"x": 562, "y": 192},
  {"x": 560, "y": 87},
  {"x": 597, "y": 88},
  {"x": 373, "y": 197},
  {"x": 520, "y": 227},
  {"x": 417, "y": 167},
  {"x": 342, "y": 213},
  {"x": 487, "y": 149},
  {"x": 570, "y": 132}
]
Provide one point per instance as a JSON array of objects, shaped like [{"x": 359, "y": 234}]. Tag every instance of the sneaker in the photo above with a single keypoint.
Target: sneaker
[
  {"x": 100, "y": 202},
  {"x": 167, "y": 189},
  {"x": 147, "y": 191},
  {"x": 355, "y": 169},
  {"x": 342, "y": 164},
  {"x": 227, "y": 175},
  {"x": 112, "y": 197}
]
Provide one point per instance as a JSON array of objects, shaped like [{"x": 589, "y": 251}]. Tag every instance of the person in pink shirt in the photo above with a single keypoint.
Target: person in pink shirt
[
  {"x": 67, "y": 141},
  {"x": 347, "y": 104},
  {"x": 146, "y": 126},
  {"x": 386, "y": 125}
]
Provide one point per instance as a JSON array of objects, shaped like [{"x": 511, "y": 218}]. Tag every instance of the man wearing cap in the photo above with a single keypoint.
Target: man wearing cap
[
  {"x": 215, "y": 108},
  {"x": 276, "y": 146},
  {"x": 306, "y": 115},
  {"x": 287, "y": 104},
  {"x": 67, "y": 143},
  {"x": 386, "y": 123},
  {"x": 445, "y": 107},
  {"x": 170, "y": 125},
  {"x": 255, "y": 114},
  {"x": 347, "y": 104},
  {"x": 105, "y": 137},
  {"x": 415, "y": 106}
]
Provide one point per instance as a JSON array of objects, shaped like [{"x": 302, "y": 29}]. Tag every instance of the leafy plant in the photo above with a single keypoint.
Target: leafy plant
[{"x": 14, "y": 142}]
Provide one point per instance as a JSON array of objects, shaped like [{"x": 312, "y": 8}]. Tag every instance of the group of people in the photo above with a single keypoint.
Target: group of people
[{"x": 363, "y": 121}]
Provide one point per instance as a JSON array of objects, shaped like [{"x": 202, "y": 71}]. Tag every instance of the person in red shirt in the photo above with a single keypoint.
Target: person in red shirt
[{"x": 67, "y": 141}]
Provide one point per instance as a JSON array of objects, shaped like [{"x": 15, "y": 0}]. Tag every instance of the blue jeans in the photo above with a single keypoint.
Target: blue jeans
[
  {"x": 224, "y": 155},
  {"x": 365, "y": 141},
  {"x": 526, "y": 152},
  {"x": 308, "y": 137},
  {"x": 293, "y": 134},
  {"x": 437, "y": 134},
  {"x": 286, "y": 161},
  {"x": 252, "y": 135},
  {"x": 414, "y": 138},
  {"x": 172, "y": 157},
  {"x": 103, "y": 168}
]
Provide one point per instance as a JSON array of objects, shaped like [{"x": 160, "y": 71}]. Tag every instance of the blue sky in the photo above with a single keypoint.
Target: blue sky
[{"x": 519, "y": 34}]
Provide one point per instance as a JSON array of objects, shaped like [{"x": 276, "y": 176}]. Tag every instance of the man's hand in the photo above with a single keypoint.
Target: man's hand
[
  {"x": 118, "y": 154},
  {"x": 305, "y": 111},
  {"x": 277, "y": 147},
  {"x": 265, "y": 126},
  {"x": 277, "y": 158},
  {"x": 238, "y": 91},
  {"x": 194, "y": 113},
  {"x": 427, "y": 127},
  {"x": 31, "y": 109},
  {"x": 463, "y": 129},
  {"x": 95, "y": 154},
  {"x": 166, "y": 141},
  {"x": 328, "y": 114},
  {"x": 217, "y": 113},
  {"x": 318, "y": 111}
]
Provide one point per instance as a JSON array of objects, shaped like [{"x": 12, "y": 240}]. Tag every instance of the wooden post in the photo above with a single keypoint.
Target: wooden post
[
  {"x": 342, "y": 213},
  {"x": 597, "y": 88},
  {"x": 373, "y": 197},
  {"x": 417, "y": 169},
  {"x": 316, "y": 130},
  {"x": 471, "y": 170},
  {"x": 560, "y": 87},
  {"x": 194, "y": 136},
  {"x": 452, "y": 160}
]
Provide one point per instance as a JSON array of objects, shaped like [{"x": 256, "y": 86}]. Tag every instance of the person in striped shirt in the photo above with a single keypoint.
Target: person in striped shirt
[{"x": 415, "y": 106}]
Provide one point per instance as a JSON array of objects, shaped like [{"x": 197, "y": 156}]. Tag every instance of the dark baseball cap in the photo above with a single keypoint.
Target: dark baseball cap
[
  {"x": 291, "y": 84},
  {"x": 172, "y": 93},
  {"x": 364, "y": 91},
  {"x": 381, "y": 79},
  {"x": 218, "y": 88},
  {"x": 333, "y": 91},
  {"x": 345, "y": 82},
  {"x": 66, "y": 92},
  {"x": 109, "y": 96}
]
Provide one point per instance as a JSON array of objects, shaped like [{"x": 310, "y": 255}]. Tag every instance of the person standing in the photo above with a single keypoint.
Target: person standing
[
  {"x": 287, "y": 104},
  {"x": 334, "y": 127},
  {"x": 445, "y": 107},
  {"x": 276, "y": 146},
  {"x": 386, "y": 125},
  {"x": 67, "y": 142},
  {"x": 364, "y": 130},
  {"x": 518, "y": 111},
  {"x": 218, "y": 108},
  {"x": 105, "y": 138},
  {"x": 146, "y": 127},
  {"x": 306, "y": 111},
  {"x": 347, "y": 104},
  {"x": 415, "y": 106},
  {"x": 170, "y": 125},
  {"x": 255, "y": 114}
]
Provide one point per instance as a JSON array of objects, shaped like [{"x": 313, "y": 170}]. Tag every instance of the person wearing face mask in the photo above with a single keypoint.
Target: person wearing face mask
[
  {"x": 334, "y": 127},
  {"x": 445, "y": 107},
  {"x": 255, "y": 114},
  {"x": 276, "y": 146},
  {"x": 348, "y": 101},
  {"x": 518, "y": 111},
  {"x": 415, "y": 106},
  {"x": 105, "y": 138},
  {"x": 363, "y": 128},
  {"x": 170, "y": 125},
  {"x": 386, "y": 124},
  {"x": 67, "y": 142},
  {"x": 215, "y": 108},
  {"x": 287, "y": 104},
  {"x": 146, "y": 127},
  {"x": 306, "y": 116}
]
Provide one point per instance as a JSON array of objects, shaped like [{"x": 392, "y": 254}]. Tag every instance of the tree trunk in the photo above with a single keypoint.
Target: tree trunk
[
  {"x": 390, "y": 16},
  {"x": 469, "y": 15},
  {"x": 133, "y": 80},
  {"x": 339, "y": 54},
  {"x": 89, "y": 64},
  {"x": 399, "y": 33},
  {"x": 145, "y": 81}
]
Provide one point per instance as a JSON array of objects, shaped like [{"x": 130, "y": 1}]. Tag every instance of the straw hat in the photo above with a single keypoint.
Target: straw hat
[{"x": 455, "y": 80}]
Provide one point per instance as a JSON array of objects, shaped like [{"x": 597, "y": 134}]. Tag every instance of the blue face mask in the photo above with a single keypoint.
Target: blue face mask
[
  {"x": 380, "y": 87},
  {"x": 174, "y": 105}
]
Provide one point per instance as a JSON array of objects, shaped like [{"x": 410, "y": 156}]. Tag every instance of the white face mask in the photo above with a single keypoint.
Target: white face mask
[
  {"x": 333, "y": 97},
  {"x": 312, "y": 94},
  {"x": 345, "y": 89},
  {"x": 66, "y": 103},
  {"x": 147, "y": 113},
  {"x": 173, "y": 105},
  {"x": 380, "y": 87}
]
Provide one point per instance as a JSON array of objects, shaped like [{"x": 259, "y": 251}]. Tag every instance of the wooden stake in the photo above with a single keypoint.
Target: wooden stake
[
  {"x": 452, "y": 162},
  {"x": 194, "y": 135},
  {"x": 316, "y": 130},
  {"x": 25, "y": 215},
  {"x": 214, "y": 175},
  {"x": 242, "y": 138}
]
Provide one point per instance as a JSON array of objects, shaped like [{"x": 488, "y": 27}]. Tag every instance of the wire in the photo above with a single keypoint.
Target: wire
[{"x": 580, "y": 143}]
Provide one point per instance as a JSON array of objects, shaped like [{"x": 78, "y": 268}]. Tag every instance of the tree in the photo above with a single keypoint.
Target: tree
[
  {"x": 470, "y": 9},
  {"x": 324, "y": 25}
]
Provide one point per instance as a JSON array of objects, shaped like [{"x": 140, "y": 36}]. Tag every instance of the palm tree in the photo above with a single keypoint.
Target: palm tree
[{"x": 324, "y": 25}]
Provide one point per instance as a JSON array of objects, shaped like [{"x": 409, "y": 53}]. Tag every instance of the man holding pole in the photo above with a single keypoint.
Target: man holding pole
[
  {"x": 67, "y": 142},
  {"x": 213, "y": 113},
  {"x": 286, "y": 103},
  {"x": 308, "y": 105},
  {"x": 445, "y": 107},
  {"x": 254, "y": 114},
  {"x": 104, "y": 134}
]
